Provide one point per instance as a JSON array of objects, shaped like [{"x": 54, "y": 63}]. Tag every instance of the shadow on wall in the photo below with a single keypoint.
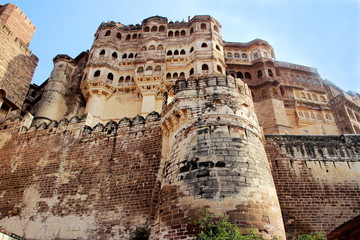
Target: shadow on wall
[{"x": 17, "y": 78}]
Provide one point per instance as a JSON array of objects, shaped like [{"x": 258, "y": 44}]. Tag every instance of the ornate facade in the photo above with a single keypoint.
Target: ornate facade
[{"x": 161, "y": 120}]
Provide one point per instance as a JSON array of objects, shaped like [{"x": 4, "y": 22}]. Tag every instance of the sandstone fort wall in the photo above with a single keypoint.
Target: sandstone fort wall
[
  {"x": 317, "y": 179},
  {"x": 65, "y": 180}
]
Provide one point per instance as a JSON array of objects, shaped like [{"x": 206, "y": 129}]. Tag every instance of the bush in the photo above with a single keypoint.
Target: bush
[
  {"x": 215, "y": 227},
  {"x": 141, "y": 233},
  {"x": 308, "y": 236}
]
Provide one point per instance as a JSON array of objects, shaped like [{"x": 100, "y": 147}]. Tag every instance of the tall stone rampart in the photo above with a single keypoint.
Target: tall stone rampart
[
  {"x": 317, "y": 179},
  {"x": 214, "y": 159},
  {"x": 66, "y": 180},
  {"x": 17, "y": 64}
]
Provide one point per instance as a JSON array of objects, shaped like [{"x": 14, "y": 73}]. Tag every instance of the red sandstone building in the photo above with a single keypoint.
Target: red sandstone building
[{"x": 161, "y": 120}]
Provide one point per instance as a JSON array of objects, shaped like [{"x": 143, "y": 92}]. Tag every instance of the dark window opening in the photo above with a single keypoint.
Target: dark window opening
[
  {"x": 97, "y": 73},
  {"x": 110, "y": 76},
  {"x": 240, "y": 75}
]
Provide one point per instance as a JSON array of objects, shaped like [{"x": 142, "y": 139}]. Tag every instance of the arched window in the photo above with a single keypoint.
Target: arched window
[
  {"x": 182, "y": 75},
  {"x": 168, "y": 76},
  {"x": 247, "y": 75},
  {"x": 274, "y": 92},
  {"x": 139, "y": 35},
  {"x": 146, "y": 29},
  {"x": 175, "y": 75},
  {"x": 236, "y": 55},
  {"x": 118, "y": 35},
  {"x": 216, "y": 28},
  {"x": 127, "y": 79},
  {"x": 229, "y": 55},
  {"x": 270, "y": 73},
  {"x": 191, "y": 49},
  {"x": 205, "y": 67},
  {"x": 263, "y": 93},
  {"x": 319, "y": 116},
  {"x": 131, "y": 55},
  {"x": 102, "y": 52},
  {"x": 244, "y": 56},
  {"x": 160, "y": 47},
  {"x": 162, "y": 28},
  {"x": 158, "y": 68},
  {"x": 121, "y": 79},
  {"x": 128, "y": 37},
  {"x": 191, "y": 30},
  {"x": 232, "y": 74},
  {"x": 110, "y": 76},
  {"x": 154, "y": 29},
  {"x": 149, "y": 68},
  {"x": 114, "y": 55},
  {"x": 183, "y": 33},
  {"x": 217, "y": 47},
  {"x": 259, "y": 74},
  {"x": 152, "y": 47},
  {"x": 308, "y": 96},
  {"x": 182, "y": 52},
  {"x": 256, "y": 55},
  {"x": 176, "y": 52},
  {"x": 140, "y": 69},
  {"x": 108, "y": 32},
  {"x": 143, "y": 48},
  {"x": 303, "y": 95},
  {"x": 239, "y": 75},
  {"x": 203, "y": 26},
  {"x": 97, "y": 73},
  {"x": 312, "y": 115},
  {"x": 124, "y": 56},
  {"x": 169, "y": 53},
  {"x": 203, "y": 45},
  {"x": 322, "y": 99},
  {"x": 134, "y": 36},
  {"x": 170, "y": 34},
  {"x": 219, "y": 68},
  {"x": 177, "y": 33},
  {"x": 191, "y": 72}
]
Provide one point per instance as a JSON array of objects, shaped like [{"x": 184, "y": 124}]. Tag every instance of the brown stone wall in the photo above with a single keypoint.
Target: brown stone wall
[
  {"x": 272, "y": 116},
  {"x": 17, "y": 66},
  {"x": 72, "y": 181},
  {"x": 17, "y": 22},
  {"x": 215, "y": 161},
  {"x": 317, "y": 179}
]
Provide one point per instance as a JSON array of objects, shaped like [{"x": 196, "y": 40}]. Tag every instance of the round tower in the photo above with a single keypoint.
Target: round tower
[
  {"x": 214, "y": 159},
  {"x": 52, "y": 105}
]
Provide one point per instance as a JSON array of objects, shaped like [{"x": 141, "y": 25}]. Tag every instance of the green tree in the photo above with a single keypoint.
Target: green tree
[{"x": 215, "y": 227}]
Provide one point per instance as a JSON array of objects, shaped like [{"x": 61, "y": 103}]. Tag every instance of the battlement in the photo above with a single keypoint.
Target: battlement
[
  {"x": 18, "y": 41},
  {"x": 17, "y": 22},
  {"x": 323, "y": 148},
  {"x": 138, "y": 123}
]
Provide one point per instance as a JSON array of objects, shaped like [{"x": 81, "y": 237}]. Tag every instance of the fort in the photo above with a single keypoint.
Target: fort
[{"x": 162, "y": 120}]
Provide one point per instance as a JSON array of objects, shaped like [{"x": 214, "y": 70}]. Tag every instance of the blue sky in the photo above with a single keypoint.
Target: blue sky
[{"x": 324, "y": 34}]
